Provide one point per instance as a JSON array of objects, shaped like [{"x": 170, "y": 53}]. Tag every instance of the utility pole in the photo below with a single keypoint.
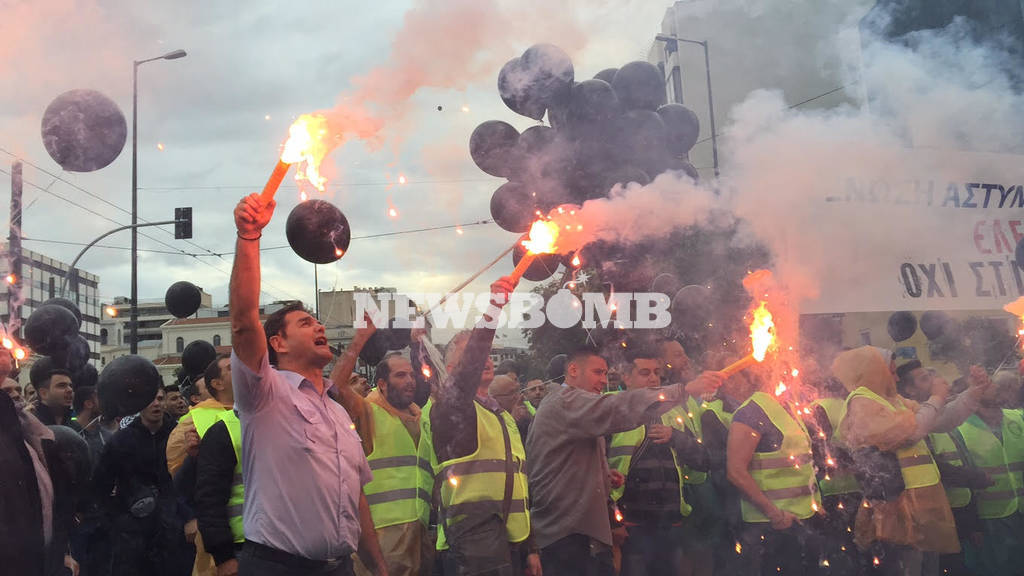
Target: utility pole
[{"x": 14, "y": 253}]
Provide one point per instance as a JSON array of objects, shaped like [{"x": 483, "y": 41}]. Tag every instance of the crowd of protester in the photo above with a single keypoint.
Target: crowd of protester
[{"x": 442, "y": 463}]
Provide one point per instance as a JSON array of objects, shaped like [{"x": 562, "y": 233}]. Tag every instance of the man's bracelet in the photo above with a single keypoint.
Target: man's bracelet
[{"x": 260, "y": 235}]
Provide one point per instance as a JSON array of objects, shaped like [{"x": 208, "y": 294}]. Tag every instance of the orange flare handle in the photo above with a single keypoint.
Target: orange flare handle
[
  {"x": 520, "y": 269},
  {"x": 276, "y": 177},
  {"x": 739, "y": 365}
]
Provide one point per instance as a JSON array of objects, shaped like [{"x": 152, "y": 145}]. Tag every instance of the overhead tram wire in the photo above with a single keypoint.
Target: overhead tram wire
[
  {"x": 177, "y": 251},
  {"x": 57, "y": 177}
]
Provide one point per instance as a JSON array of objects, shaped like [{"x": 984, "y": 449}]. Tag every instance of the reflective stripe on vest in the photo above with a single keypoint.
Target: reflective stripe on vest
[
  {"x": 530, "y": 408},
  {"x": 838, "y": 480},
  {"x": 916, "y": 462},
  {"x": 786, "y": 476},
  {"x": 204, "y": 417},
  {"x": 476, "y": 483},
  {"x": 624, "y": 444},
  {"x": 393, "y": 492},
  {"x": 694, "y": 410},
  {"x": 944, "y": 450},
  {"x": 237, "y": 500},
  {"x": 1002, "y": 461},
  {"x": 426, "y": 463}
]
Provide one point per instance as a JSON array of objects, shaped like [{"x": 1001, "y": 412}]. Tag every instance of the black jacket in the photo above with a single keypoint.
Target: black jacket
[
  {"x": 215, "y": 471},
  {"x": 21, "y": 523},
  {"x": 132, "y": 465}
]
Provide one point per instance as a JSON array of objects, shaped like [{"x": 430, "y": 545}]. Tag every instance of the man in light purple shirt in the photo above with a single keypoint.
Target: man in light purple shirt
[{"x": 302, "y": 461}]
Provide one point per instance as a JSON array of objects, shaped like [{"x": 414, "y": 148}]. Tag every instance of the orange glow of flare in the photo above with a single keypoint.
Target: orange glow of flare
[
  {"x": 20, "y": 354},
  {"x": 618, "y": 514},
  {"x": 426, "y": 371},
  {"x": 307, "y": 146},
  {"x": 543, "y": 237},
  {"x": 8, "y": 343},
  {"x": 111, "y": 311},
  {"x": 739, "y": 547},
  {"x": 11, "y": 278},
  {"x": 576, "y": 261},
  {"x": 392, "y": 212},
  {"x": 781, "y": 389},
  {"x": 541, "y": 240},
  {"x": 762, "y": 331}
]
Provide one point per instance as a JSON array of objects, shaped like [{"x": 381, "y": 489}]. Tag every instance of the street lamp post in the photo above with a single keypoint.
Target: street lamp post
[
  {"x": 134, "y": 328},
  {"x": 668, "y": 39}
]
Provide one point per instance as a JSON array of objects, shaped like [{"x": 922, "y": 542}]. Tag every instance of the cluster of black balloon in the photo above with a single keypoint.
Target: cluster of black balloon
[
  {"x": 52, "y": 331},
  {"x": 613, "y": 129},
  {"x": 934, "y": 325}
]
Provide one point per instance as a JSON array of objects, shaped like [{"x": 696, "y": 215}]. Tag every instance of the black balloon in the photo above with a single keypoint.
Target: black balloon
[
  {"x": 127, "y": 385},
  {"x": 550, "y": 72},
  {"x": 514, "y": 88},
  {"x": 683, "y": 127},
  {"x": 683, "y": 165},
  {"x": 593, "y": 160},
  {"x": 543, "y": 266},
  {"x": 513, "y": 207},
  {"x": 901, "y": 326},
  {"x": 87, "y": 376},
  {"x": 197, "y": 356},
  {"x": 40, "y": 370},
  {"x": 318, "y": 232},
  {"x": 935, "y": 324},
  {"x": 73, "y": 356},
  {"x": 183, "y": 299},
  {"x": 83, "y": 130},
  {"x": 625, "y": 175},
  {"x": 593, "y": 105},
  {"x": 492, "y": 146},
  {"x": 67, "y": 304},
  {"x": 608, "y": 74},
  {"x": 74, "y": 455},
  {"x": 375, "y": 349},
  {"x": 640, "y": 85},
  {"x": 397, "y": 338},
  {"x": 644, "y": 141},
  {"x": 50, "y": 328},
  {"x": 555, "y": 371}
]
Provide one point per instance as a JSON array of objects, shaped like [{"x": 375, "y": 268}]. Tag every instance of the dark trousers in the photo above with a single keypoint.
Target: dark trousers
[
  {"x": 258, "y": 560},
  {"x": 652, "y": 551},
  {"x": 515, "y": 567},
  {"x": 797, "y": 551},
  {"x": 577, "y": 555}
]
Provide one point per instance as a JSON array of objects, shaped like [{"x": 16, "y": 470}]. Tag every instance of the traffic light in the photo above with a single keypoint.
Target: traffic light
[{"x": 182, "y": 223}]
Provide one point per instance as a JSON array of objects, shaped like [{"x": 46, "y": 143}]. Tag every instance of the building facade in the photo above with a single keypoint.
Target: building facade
[{"x": 41, "y": 278}]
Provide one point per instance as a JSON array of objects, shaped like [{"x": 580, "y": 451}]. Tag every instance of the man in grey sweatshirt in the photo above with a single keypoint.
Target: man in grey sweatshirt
[{"x": 568, "y": 468}]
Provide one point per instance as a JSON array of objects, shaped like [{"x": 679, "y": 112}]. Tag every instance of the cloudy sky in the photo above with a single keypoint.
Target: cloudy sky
[{"x": 221, "y": 113}]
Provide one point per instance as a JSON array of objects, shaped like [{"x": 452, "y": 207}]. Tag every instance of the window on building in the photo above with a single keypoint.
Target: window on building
[
  {"x": 53, "y": 287},
  {"x": 216, "y": 339},
  {"x": 865, "y": 337},
  {"x": 179, "y": 344},
  {"x": 103, "y": 336}
]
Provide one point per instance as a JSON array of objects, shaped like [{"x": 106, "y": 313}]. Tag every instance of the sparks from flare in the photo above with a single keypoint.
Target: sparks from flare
[{"x": 542, "y": 239}]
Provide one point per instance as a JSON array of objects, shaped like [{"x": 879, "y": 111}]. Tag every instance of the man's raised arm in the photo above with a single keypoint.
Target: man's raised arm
[{"x": 247, "y": 338}]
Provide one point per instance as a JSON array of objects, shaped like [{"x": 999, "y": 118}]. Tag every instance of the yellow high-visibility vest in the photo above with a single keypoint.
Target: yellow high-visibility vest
[
  {"x": 840, "y": 480},
  {"x": 393, "y": 495},
  {"x": 916, "y": 462},
  {"x": 237, "y": 500},
  {"x": 785, "y": 476},
  {"x": 944, "y": 450},
  {"x": 1002, "y": 461},
  {"x": 624, "y": 445}
]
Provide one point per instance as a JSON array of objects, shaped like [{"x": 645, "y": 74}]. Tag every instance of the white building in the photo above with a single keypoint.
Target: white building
[{"x": 41, "y": 278}]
